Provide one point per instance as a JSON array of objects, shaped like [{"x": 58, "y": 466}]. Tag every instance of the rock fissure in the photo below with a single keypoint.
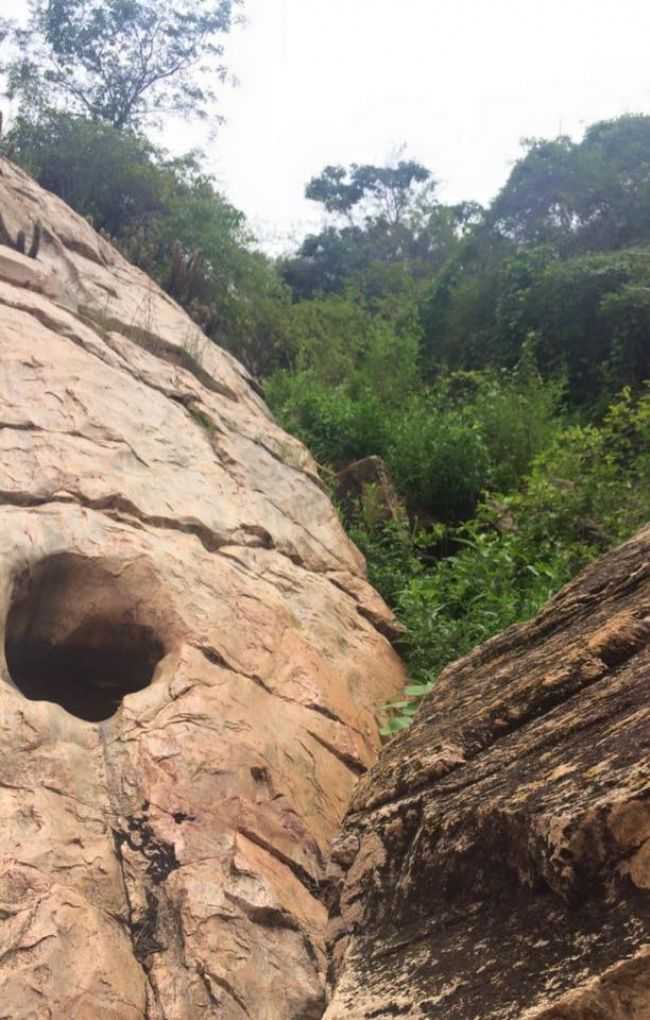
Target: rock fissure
[
  {"x": 139, "y": 836},
  {"x": 122, "y": 509},
  {"x": 385, "y": 623},
  {"x": 159, "y": 347},
  {"x": 106, "y": 441},
  {"x": 141, "y": 931},
  {"x": 313, "y": 886},
  {"x": 348, "y": 760},
  {"x": 292, "y": 554},
  {"x": 208, "y": 979},
  {"x": 216, "y": 658}
]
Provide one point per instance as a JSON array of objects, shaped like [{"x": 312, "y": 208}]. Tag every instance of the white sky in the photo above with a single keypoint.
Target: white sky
[{"x": 458, "y": 81}]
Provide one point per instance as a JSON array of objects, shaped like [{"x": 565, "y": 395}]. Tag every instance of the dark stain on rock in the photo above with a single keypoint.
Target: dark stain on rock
[{"x": 159, "y": 854}]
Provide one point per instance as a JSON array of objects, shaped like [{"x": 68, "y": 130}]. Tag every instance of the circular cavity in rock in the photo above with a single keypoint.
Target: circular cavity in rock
[{"x": 71, "y": 637}]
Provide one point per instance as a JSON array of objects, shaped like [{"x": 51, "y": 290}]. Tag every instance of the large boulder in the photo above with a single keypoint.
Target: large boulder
[
  {"x": 191, "y": 657},
  {"x": 367, "y": 485},
  {"x": 495, "y": 864}
]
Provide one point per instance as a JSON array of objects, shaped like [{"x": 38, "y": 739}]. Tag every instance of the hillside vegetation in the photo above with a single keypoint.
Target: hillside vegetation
[{"x": 495, "y": 358}]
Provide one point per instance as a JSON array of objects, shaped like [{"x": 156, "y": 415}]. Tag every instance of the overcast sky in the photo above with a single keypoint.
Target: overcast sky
[{"x": 459, "y": 82}]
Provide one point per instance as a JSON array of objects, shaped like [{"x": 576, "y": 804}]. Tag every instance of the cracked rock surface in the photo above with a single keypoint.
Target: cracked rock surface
[
  {"x": 191, "y": 658},
  {"x": 495, "y": 863}
]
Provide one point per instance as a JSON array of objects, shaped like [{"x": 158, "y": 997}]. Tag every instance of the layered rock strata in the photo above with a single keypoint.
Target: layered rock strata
[
  {"x": 192, "y": 658},
  {"x": 495, "y": 864}
]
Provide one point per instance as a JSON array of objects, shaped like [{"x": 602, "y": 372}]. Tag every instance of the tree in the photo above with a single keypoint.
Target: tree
[
  {"x": 380, "y": 216},
  {"x": 537, "y": 203},
  {"x": 168, "y": 218},
  {"x": 117, "y": 179},
  {"x": 123, "y": 62},
  {"x": 588, "y": 196},
  {"x": 382, "y": 193}
]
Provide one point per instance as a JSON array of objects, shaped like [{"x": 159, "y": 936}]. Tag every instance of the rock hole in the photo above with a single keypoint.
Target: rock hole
[{"x": 71, "y": 638}]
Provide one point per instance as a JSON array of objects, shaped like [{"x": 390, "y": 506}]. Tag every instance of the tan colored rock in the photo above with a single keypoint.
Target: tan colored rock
[
  {"x": 367, "y": 483},
  {"x": 495, "y": 863},
  {"x": 192, "y": 661}
]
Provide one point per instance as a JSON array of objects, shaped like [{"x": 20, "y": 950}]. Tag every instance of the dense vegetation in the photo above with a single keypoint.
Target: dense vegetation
[{"x": 496, "y": 359}]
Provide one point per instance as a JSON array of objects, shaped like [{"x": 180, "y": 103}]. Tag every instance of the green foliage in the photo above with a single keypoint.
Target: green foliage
[
  {"x": 395, "y": 550},
  {"x": 383, "y": 217},
  {"x": 168, "y": 218},
  {"x": 517, "y": 413},
  {"x": 115, "y": 178},
  {"x": 438, "y": 459},
  {"x": 562, "y": 252},
  {"x": 344, "y": 340},
  {"x": 586, "y": 196},
  {"x": 588, "y": 317},
  {"x": 588, "y": 313},
  {"x": 122, "y": 62},
  {"x": 379, "y": 192},
  {"x": 337, "y": 428},
  {"x": 587, "y": 491},
  {"x": 443, "y": 445},
  {"x": 458, "y": 313}
]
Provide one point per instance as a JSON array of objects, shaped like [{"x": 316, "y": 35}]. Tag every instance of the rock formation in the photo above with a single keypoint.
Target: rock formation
[
  {"x": 495, "y": 864},
  {"x": 367, "y": 483},
  {"x": 192, "y": 657}
]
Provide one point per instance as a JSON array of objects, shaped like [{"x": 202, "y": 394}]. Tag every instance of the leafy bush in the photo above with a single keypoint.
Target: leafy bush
[
  {"x": 438, "y": 459},
  {"x": 336, "y": 428},
  {"x": 395, "y": 551},
  {"x": 586, "y": 492},
  {"x": 518, "y": 414},
  {"x": 494, "y": 579},
  {"x": 168, "y": 218},
  {"x": 590, "y": 488},
  {"x": 343, "y": 341}
]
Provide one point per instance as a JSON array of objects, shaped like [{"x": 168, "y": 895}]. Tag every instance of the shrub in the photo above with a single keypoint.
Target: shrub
[
  {"x": 586, "y": 492},
  {"x": 336, "y": 428},
  {"x": 438, "y": 459},
  {"x": 518, "y": 414}
]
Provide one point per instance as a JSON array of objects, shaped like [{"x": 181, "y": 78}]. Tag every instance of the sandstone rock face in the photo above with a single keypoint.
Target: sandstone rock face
[
  {"x": 495, "y": 864},
  {"x": 191, "y": 657},
  {"x": 368, "y": 483}
]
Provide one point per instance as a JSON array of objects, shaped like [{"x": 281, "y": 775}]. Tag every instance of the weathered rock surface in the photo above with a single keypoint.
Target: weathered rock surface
[
  {"x": 495, "y": 864},
  {"x": 192, "y": 657},
  {"x": 368, "y": 483}
]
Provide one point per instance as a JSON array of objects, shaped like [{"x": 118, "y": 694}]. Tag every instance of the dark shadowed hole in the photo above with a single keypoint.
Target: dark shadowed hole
[{"x": 69, "y": 639}]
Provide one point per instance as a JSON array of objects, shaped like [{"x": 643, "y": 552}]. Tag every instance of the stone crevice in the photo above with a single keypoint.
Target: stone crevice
[
  {"x": 106, "y": 441},
  {"x": 159, "y": 348},
  {"x": 350, "y": 762},
  {"x": 208, "y": 978},
  {"x": 120, "y": 508},
  {"x": 312, "y": 885},
  {"x": 216, "y": 658},
  {"x": 141, "y": 938}
]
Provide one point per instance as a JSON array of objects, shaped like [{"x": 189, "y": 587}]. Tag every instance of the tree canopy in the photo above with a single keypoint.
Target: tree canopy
[
  {"x": 124, "y": 62},
  {"x": 376, "y": 192},
  {"x": 581, "y": 196},
  {"x": 378, "y": 216}
]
